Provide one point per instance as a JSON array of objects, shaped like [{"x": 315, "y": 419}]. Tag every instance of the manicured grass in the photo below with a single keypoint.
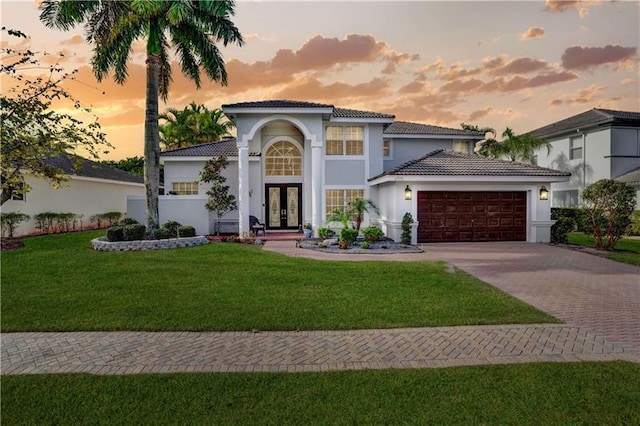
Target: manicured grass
[
  {"x": 627, "y": 249},
  {"x": 58, "y": 283},
  {"x": 524, "y": 394}
]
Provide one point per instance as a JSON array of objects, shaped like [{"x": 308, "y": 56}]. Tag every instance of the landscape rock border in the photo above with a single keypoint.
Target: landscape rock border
[
  {"x": 379, "y": 247},
  {"x": 101, "y": 244}
]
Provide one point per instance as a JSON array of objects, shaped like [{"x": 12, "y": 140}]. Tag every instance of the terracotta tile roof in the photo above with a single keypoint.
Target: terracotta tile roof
[
  {"x": 448, "y": 163},
  {"x": 588, "y": 119},
  {"x": 74, "y": 165},
  {"x": 632, "y": 177},
  {"x": 226, "y": 147},
  {"x": 406, "y": 128}
]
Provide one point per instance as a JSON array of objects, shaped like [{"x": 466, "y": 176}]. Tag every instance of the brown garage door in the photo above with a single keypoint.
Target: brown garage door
[{"x": 471, "y": 216}]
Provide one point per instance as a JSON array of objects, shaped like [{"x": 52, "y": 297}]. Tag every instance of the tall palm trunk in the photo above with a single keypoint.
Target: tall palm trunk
[{"x": 152, "y": 143}]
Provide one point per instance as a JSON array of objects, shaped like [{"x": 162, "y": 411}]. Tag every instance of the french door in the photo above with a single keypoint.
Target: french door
[{"x": 283, "y": 205}]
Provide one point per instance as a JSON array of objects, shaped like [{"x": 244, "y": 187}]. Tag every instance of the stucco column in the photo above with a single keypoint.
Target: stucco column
[
  {"x": 316, "y": 185},
  {"x": 243, "y": 187}
]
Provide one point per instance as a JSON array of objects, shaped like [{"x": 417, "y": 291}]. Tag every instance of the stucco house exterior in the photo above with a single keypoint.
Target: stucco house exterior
[
  {"x": 596, "y": 144},
  {"x": 91, "y": 188},
  {"x": 293, "y": 162}
]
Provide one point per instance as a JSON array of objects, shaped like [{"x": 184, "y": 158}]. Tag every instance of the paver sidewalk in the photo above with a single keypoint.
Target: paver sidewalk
[{"x": 599, "y": 300}]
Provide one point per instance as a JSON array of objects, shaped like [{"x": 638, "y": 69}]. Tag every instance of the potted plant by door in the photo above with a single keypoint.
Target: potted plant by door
[{"x": 307, "y": 230}]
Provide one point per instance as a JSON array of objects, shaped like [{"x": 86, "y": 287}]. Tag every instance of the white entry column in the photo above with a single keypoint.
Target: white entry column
[
  {"x": 316, "y": 184},
  {"x": 243, "y": 186}
]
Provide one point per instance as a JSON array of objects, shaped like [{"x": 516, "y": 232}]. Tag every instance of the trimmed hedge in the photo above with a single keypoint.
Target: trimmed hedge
[
  {"x": 134, "y": 232},
  {"x": 560, "y": 230},
  {"x": 186, "y": 231},
  {"x": 115, "y": 233},
  {"x": 580, "y": 220},
  {"x": 161, "y": 234}
]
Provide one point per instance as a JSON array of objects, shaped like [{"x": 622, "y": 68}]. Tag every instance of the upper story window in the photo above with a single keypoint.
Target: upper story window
[
  {"x": 575, "y": 148},
  {"x": 461, "y": 146},
  {"x": 344, "y": 140},
  {"x": 283, "y": 158},
  {"x": 386, "y": 148},
  {"x": 184, "y": 188}
]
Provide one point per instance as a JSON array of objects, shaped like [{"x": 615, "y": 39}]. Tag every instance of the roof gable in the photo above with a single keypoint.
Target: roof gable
[{"x": 449, "y": 163}]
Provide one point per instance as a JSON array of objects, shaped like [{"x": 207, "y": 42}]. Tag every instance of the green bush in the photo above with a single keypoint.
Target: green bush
[
  {"x": 115, "y": 233},
  {"x": 560, "y": 230},
  {"x": 108, "y": 218},
  {"x": 325, "y": 233},
  {"x": 10, "y": 222},
  {"x": 161, "y": 234},
  {"x": 348, "y": 235},
  {"x": 578, "y": 215},
  {"x": 365, "y": 245},
  {"x": 172, "y": 226},
  {"x": 186, "y": 231},
  {"x": 635, "y": 223},
  {"x": 134, "y": 232},
  {"x": 407, "y": 220},
  {"x": 372, "y": 233},
  {"x": 128, "y": 221}
]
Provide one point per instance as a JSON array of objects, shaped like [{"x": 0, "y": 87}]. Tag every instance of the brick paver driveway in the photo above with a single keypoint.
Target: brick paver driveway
[{"x": 598, "y": 299}]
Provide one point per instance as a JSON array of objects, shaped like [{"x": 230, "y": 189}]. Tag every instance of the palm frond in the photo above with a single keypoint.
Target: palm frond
[{"x": 66, "y": 14}]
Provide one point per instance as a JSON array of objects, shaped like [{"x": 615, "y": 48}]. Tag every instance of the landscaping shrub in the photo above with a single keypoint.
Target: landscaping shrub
[
  {"x": 372, "y": 233},
  {"x": 10, "y": 221},
  {"x": 560, "y": 230},
  {"x": 407, "y": 220},
  {"x": 348, "y": 235},
  {"x": 115, "y": 233},
  {"x": 44, "y": 222},
  {"x": 172, "y": 226},
  {"x": 635, "y": 223},
  {"x": 128, "y": 221},
  {"x": 161, "y": 234},
  {"x": 186, "y": 231},
  {"x": 365, "y": 245},
  {"x": 134, "y": 232},
  {"x": 325, "y": 233},
  {"x": 578, "y": 215},
  {"x": 108, "y": 218}
]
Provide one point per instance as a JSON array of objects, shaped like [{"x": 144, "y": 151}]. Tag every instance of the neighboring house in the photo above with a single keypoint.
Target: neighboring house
[
  {"x": 633, "y": 179},
  {"x": 596, "y": 144},
  {"x": 91, "y": 188},
  {"x": 293, "y": 162}
]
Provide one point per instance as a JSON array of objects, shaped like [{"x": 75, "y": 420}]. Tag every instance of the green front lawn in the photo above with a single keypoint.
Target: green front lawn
[
  {"x": 58, "y": 283},
  {"x": 627, "y": 250},
  {"x": 523, "y": 394}
]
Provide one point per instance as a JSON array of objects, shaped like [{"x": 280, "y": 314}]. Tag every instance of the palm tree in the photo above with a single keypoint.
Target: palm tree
[
  {"x": 193, "y": 125},
  {"x": 486, "y": 146},
  {"x": 192, "y": 27},
  {"x": 358, "y": 207},
  {"x": 520, "y": 148}
]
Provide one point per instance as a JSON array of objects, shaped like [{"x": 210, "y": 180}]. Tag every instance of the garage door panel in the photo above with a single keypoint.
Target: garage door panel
[{"x": 471, "y": 216}]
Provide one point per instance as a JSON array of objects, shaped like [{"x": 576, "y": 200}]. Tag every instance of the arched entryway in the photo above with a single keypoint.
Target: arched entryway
[{"x": 283, "y": 166}]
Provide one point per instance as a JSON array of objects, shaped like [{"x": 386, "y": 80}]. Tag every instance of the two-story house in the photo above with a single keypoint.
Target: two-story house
[
  {"x": 293, "y": 162},
  {"x": 596, "y": 144}
]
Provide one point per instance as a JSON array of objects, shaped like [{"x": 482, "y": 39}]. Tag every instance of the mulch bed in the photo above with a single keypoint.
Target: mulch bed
[{"x": 10, "y": 243}]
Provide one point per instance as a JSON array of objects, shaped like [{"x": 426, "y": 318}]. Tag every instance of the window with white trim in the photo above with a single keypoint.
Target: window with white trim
[
  {"x": 283, "y": 158},
  {"x": 339, "y": 198},
  {"x": 575, "y": 148},
  {"x": 386, "y": 148},
  {"x": 184, "y": 188},
  {"x": 344, "y": 140}
]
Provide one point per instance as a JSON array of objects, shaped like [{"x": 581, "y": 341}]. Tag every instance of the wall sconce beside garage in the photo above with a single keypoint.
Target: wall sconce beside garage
[
  {"x": 544, "y": 193},
  {"x": 407, "y": 193}
]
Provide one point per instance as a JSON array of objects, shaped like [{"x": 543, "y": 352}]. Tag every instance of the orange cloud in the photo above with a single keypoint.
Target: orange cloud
[
  {"x": 311, "y": 88},
  {"x": 532, "y": 32},
  {"x": 480, "y": 114},
  {"x": 76, "y": 39},
  {"x": 581, "y": 58},
  {"x": 498, "y": 66}
]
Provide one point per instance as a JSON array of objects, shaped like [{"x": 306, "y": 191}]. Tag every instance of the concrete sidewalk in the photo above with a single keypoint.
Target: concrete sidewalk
[{"x": 599, "y": 300}]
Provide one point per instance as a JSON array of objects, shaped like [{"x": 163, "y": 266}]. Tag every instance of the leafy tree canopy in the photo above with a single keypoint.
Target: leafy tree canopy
[
  {"x": 32, "y": 130},
  {"x": 193, "y": 125}
]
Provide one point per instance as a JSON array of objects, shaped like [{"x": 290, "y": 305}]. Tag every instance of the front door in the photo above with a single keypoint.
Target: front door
[{"x": 283, "y": 205}]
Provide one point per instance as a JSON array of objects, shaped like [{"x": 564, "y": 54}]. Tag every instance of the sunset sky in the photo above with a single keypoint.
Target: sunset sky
[{"x": 518, "y": 64}]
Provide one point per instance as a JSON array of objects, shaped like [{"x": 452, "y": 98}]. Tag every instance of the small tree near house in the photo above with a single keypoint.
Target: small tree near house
[
  {"x": 609, "y": 205},
  {"x": 220, "y": 201}
]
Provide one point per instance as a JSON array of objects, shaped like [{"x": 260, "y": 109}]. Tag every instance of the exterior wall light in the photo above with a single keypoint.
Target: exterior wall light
[
  {"x": 407, "y": 193},
  {"x": 544, "y": 193}
]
